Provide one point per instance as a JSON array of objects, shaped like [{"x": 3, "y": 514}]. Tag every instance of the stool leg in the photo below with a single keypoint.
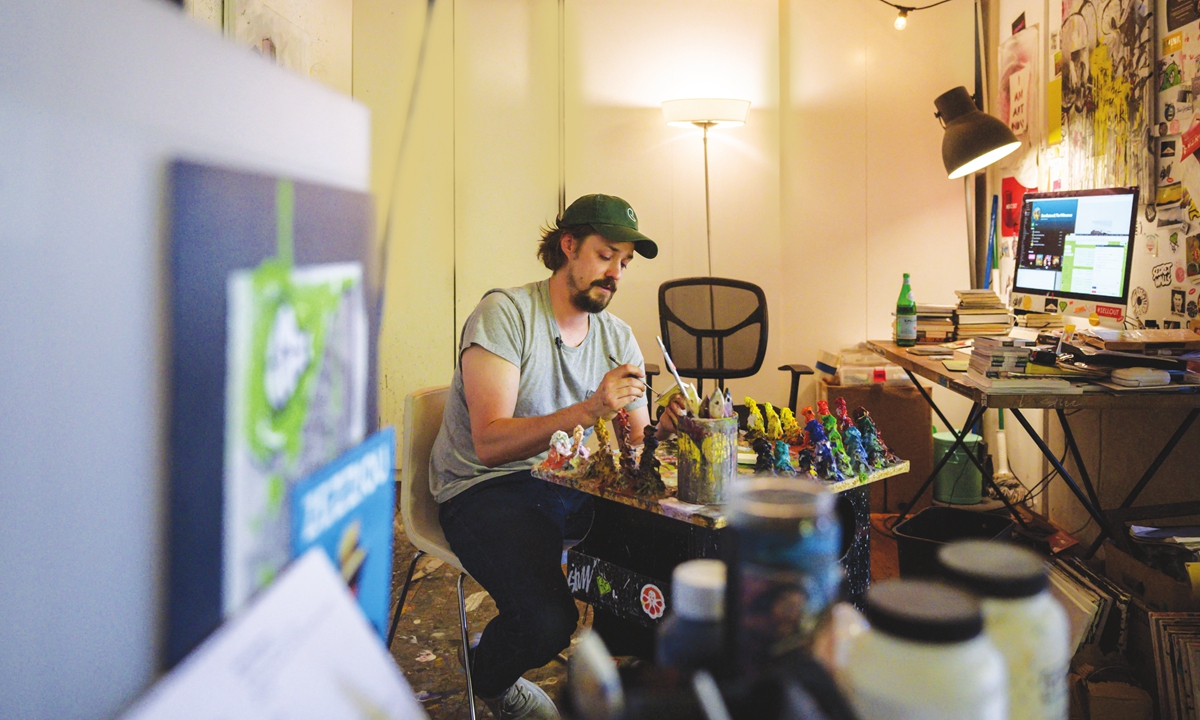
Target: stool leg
[
  {"x": 403, "y": 595},
  {"x": 466, "y": 644}
]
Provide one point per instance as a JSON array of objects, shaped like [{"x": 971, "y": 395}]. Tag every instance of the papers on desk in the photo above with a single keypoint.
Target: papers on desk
[{"x": 302, "y": 649}]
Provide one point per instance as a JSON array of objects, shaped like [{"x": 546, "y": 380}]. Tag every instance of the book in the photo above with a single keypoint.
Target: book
[
  {"x": 1049, "y": 384},
  {"x": 989, "y": 341},
  {"x": 982, "y": 318}
]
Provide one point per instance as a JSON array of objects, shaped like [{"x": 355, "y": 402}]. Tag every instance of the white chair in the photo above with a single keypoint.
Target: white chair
[{"x": 422, "y": 419}]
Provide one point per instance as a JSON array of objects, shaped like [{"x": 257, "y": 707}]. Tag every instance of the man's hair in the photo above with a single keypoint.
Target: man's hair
[{"x": 550, "y": 247}]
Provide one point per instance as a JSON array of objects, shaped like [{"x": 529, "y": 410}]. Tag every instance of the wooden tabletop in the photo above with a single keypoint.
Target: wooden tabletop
[
  {"x": 933, "y": 369},
  {"x": 709, "y": 516}
]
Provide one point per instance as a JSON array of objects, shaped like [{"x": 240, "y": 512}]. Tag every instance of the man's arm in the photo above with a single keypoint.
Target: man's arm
[{"x": 490, "y": 384}]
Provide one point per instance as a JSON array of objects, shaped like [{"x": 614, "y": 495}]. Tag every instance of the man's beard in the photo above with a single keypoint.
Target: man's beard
[{"x": 583, "y": 300}]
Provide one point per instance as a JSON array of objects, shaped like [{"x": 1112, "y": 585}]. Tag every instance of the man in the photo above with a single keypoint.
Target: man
[{"x": 533, "y": 360}]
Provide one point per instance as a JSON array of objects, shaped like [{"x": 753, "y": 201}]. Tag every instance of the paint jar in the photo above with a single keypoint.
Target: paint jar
[
  {"x": 1025, "y": 623},
  {"x": 707, "y": 458},
  {"x": 689, "y": 639},
  {"x": 925, "y": 656},
  {"x": 784, "y": 574}
]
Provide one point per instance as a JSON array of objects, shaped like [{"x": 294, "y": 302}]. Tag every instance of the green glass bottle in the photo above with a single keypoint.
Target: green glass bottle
[{"x": 906, "y": 316}]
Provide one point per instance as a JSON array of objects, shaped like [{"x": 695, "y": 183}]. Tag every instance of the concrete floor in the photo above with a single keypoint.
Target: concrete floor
[{"x": 428, "y": 637}]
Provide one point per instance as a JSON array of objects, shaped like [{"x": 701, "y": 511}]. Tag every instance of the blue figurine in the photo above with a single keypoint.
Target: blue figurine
[
  {"x": 783, "y": 459},
  {"x": 854, "y": 448}
]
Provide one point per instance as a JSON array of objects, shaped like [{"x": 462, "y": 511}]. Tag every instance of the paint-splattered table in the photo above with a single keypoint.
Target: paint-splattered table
[{"x": 623, "y": 567}]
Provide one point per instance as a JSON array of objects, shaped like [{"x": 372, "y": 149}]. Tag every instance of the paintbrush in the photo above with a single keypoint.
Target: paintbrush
[
  {"x": 616, "y": 365},
  {"x": 691, "y": 401}
]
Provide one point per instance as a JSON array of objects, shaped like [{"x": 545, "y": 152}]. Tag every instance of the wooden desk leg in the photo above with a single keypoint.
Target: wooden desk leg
[
  {"x": 1066, "y": 476},
  {"x": 1145, "y": 479}
]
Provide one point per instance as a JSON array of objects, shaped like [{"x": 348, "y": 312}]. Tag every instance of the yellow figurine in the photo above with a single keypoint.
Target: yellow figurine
[
  {"x": 604, "y": 465},
  {"x": 774, "y": 430},
  {"x": 754, "y": 421},
  {"x": 791, "y": 428}
]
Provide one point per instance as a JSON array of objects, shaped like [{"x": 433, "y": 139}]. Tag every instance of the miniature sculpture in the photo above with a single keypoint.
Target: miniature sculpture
[
  {"x": 567, "y": 452},
  {"x": 774, "y": 430},
  {"x": 842, "y": 414},
  {"x": 649, "y": 479},
  {"x": 755, "y": 427},
  {"x": 729, "y": 411},
  {"x": 877, "y": 451},
  {"x": 809, "y": 418},
  {"x": 792, "y": 433},
  {"x": 603, "y": 468},
  {"x": 783, "y": 459},
  {"x": 823, "y": 462},
  {"x": 823, "y": 411},
  {"x": 765, "y": 462},
  {"x": 835, "y": 441},
  {"x": 715, "y": 406},
  {"x": 628, "y": 465},
  {"x": 852, "y": 439}
]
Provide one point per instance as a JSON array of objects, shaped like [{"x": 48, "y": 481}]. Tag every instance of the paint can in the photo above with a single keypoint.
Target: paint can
[{"x": 707, "y": 458}]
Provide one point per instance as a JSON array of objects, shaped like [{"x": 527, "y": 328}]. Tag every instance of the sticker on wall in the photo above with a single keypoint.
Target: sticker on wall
[
  {"x": 1168, "y": 195},
  {"x": 1062, "y": 306},
  {"x": 1139, "y": 302},
  {"x": 1178, "y": 301},
  {"x": 1172, "y": 43},
  {"x": 1050, "y": 306},
  {"x": 1166, "y": 148},
  {"x": 1152, "y": 245},
  {"x": 1192, "y": 257},
  {"x": 1169, "y": 111},
  {"x": 653, "y": 602},
  {"x": 1161, "y": 274},
  {"x": 1110, "y": 311},
  {"x": 1164, "y": 173},
  {"x": 1170, "y": 324},
  {"x": 1094, "y": 319},
  {"x": 1192, "y": 309},
  {"x": 1179, "y": 277},
  {"x": 1174, "y": 240},
  {"x": 1151, "y": 324},
  {"x": 1026, "y": 302}
]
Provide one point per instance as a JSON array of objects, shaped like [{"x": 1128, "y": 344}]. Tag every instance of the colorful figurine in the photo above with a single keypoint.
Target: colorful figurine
[
  {"x": 567, "y": 453},
  {"x": 603, "y": 467},
  {"x": 877, "y": 451},
  {"x": 783, "y": 459},
  {"x": 835, "y": 440},
  {"x": 649, "y": 478},
  {"x": 755, "y": 426},
  {"x": 792, "y": 433},
  {"x": 858, "y": 454},
  {"x": 842, "y": 414},
  {"x": 809, "y": 420},
  {"x": 729, "y": 411},
  {"x": 715, "y": 407},
  {"x": 628, "y": 465},
  {"x": 764, "y": 464},
  {"x": 774, "y": 429}
]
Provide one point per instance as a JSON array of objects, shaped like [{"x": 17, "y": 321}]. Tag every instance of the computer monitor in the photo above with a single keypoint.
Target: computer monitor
[{"x": 1076, "y": 247}]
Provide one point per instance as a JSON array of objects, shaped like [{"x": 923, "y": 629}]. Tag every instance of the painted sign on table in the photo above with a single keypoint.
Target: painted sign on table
[{"x": 347, "y": 509}]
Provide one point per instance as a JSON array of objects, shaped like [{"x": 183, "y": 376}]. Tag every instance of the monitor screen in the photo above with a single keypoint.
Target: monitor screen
[{"x": 1077, "y": 244}]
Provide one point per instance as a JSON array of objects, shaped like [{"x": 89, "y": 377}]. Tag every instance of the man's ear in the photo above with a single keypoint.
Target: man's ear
[{"x": 569, "y": 244}]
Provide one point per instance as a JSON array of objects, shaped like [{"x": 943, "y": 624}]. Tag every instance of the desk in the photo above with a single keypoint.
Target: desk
[
  {"x": 982, "y": 399},
  {"x": 623, "y": 567}
]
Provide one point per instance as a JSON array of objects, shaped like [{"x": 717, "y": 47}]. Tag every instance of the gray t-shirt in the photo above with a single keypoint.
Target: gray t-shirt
[{"x": 518, "y": 325}]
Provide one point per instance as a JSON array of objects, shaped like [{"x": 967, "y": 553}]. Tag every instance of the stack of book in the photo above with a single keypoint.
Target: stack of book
[
  {"x": 1000, "y": 362},
  {"x": 980, "y": 312},
  {"x": 935, "y": 324},
  {"x": 1040, "y": 321}
]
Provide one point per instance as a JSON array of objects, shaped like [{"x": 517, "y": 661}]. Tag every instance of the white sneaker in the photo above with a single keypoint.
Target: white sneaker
[{"x": 523, "y": 701}]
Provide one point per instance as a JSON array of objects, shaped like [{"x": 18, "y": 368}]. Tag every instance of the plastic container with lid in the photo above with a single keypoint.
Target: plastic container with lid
[
  {"x": 784, "y": 574},
  {"x": 925, "y": 656},
  {"x": 1024, "y": 622},
  {"x": 690, "y": 638}
]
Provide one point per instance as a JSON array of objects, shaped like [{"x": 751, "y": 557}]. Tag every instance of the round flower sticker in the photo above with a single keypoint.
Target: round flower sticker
[{"x": 653, "y": 602}]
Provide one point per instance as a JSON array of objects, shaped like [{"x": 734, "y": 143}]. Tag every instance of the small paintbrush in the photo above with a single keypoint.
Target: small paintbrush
[{"x": 616, "y": 364}]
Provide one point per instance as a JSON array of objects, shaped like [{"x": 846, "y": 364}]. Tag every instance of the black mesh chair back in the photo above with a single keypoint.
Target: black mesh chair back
[{"x": 713, "y": 328}]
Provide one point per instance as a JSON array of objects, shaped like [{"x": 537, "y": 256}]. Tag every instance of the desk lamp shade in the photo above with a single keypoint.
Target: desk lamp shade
[
  {"x": 973, "y": 138},
  {"x": 706, "y": 111}
]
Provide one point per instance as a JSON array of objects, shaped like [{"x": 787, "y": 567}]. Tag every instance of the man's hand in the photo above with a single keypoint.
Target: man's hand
[
  {"x": 620, "y": 386},
  {"x": 668, "y": 422}
]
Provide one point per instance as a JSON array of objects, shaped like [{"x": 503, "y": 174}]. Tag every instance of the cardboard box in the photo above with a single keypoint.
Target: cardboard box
[
  {"x": 1118, "y": 701},
  {"x": 905, "y": 421},
  {"x": 1159, "y": 591}
]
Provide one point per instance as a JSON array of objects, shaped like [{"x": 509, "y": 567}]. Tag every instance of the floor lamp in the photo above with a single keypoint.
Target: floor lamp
[{"x": 706, "y": 113}]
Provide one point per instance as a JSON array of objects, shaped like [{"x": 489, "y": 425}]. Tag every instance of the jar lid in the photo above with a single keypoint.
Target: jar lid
[
  {"x": 698, "y": 590},
  {"x": 924, "y": 611},
  {"x": 994, "y": 569},
  {"x": 777, "y": 498}
]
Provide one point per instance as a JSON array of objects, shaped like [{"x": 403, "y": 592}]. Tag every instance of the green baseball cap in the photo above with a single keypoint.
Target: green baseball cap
[{"x": 613, "y": 218}]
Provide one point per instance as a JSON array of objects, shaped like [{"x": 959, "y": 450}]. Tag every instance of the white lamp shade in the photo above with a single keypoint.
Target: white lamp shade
[{"x": 718, "y": 111}]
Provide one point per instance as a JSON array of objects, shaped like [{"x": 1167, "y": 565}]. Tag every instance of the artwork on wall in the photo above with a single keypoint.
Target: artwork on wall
[
  {"x": 256, "y": 25},
  {"x": 1106, "y": 79}
]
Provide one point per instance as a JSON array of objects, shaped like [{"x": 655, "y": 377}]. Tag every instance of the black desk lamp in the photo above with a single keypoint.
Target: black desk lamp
[{"x": 973, "y": 138}]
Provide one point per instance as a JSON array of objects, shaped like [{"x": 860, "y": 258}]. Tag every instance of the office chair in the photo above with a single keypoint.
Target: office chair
[
  {"x": 716, "y": 329},
  {"x": 422, "y": 419}
]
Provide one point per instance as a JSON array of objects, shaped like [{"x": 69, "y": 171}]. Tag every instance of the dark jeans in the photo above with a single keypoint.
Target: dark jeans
[{"x": 509, "y": 533}]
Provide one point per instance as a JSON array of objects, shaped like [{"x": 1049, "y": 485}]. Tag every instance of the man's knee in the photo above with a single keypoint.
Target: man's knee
[{"x": 550, "y": 631}]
